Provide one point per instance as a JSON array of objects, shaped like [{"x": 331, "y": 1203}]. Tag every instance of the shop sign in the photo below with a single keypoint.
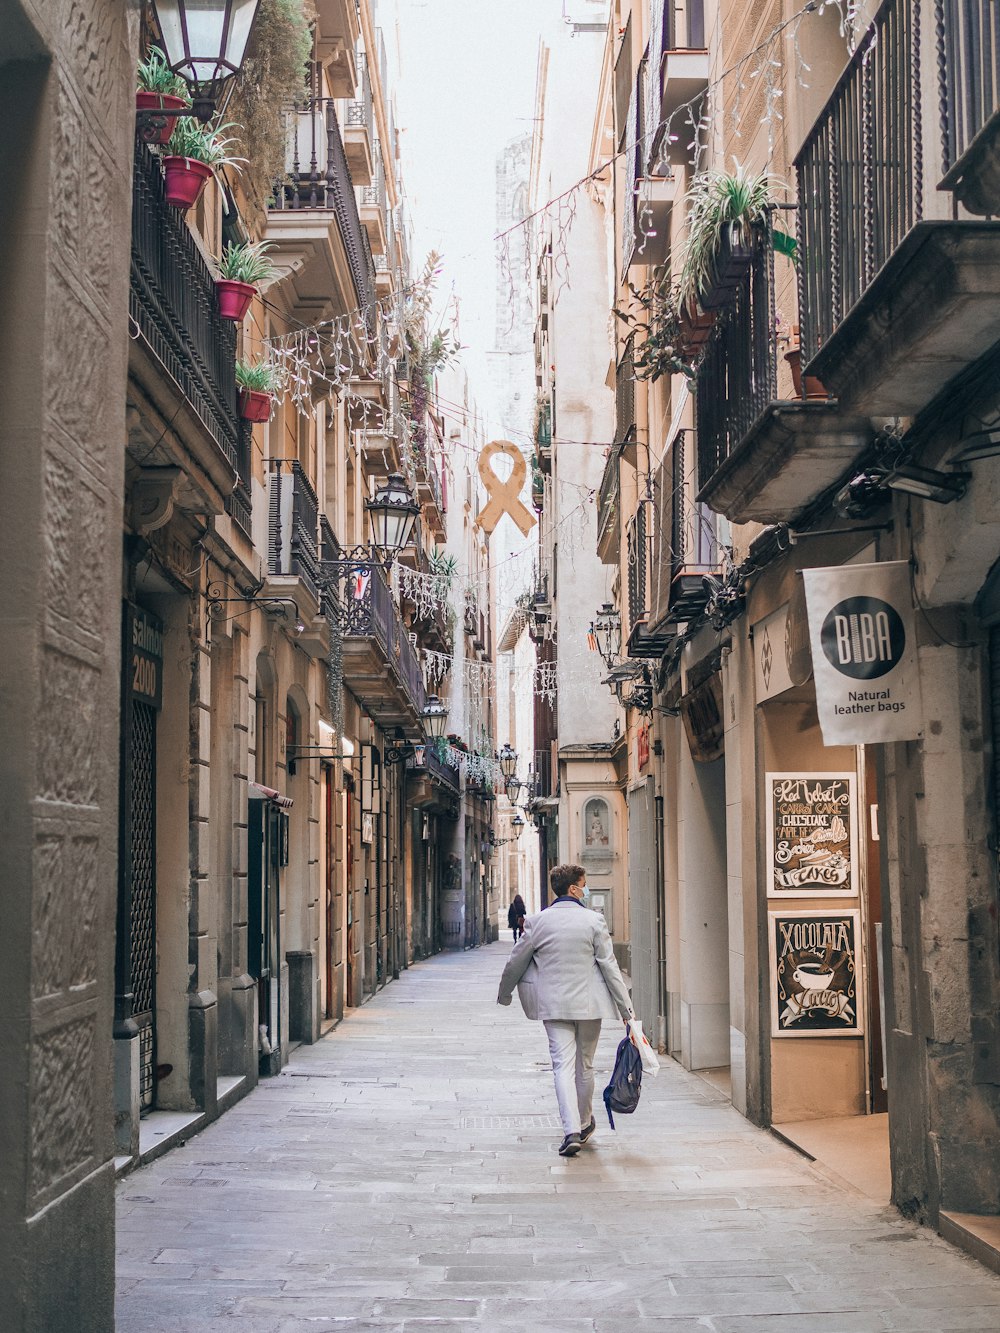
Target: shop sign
[
  {"x": 367, "y": 827},
  {"x": 815, "y": 974},
  {"x": 143, "y": 655},
  {"x": 701, "y": 711},
  {"x": 781, "y": 650},
  {"x": 861, "y": 630},
  {"x": 812, "y": 826}
]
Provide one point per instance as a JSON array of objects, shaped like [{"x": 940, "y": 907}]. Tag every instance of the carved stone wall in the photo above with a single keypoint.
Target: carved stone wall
[{"x": 66, "y": 83}]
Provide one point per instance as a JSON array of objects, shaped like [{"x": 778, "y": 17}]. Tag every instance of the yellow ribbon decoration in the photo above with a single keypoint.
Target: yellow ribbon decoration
[{"x": 504, "y": 495}]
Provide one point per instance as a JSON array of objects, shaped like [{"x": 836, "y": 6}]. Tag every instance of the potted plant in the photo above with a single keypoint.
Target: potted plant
[
  {"x": 258, "y": 383},
  {"x": 652, "y": 318},
  {"x": 728, "y": 213},
  {"x": 160, "y": 89},
  {"x": 807, "y": 386},
  {"x": 241, "y": 268},
  {"x": 192, "y": 151}
]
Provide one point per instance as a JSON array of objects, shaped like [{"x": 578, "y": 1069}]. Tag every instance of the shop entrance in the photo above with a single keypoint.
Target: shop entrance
[{"x": 268, "y": 852}]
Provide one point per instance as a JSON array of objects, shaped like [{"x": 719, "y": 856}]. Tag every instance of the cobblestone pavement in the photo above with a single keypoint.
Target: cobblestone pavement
[{"x": 402, "y": 1174}]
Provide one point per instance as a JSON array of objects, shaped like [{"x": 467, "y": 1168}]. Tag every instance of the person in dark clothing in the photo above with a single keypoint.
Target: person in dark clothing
[{"x": 516, "y": 913}]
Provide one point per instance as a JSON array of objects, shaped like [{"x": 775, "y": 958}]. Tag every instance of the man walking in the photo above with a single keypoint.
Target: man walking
[{"x": 565, "y": 972}]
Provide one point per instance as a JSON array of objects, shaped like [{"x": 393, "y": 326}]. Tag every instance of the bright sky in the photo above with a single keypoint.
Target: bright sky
[{"x": 465, "y": 88}]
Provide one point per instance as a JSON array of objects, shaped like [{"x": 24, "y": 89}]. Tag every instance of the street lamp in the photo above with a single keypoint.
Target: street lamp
[
  {"x": 392, "y": 515},
  {"x": 608, "y": 633},
  {"x": 435, "y": 715},
  {"x": 205, "y": 41},
  {"x": 518, "y": 821},
  {"x": 508, "y": 762},
  {"x": 512, "y": 786}
]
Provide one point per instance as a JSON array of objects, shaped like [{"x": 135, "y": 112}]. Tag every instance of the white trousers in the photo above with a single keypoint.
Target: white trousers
[{"x": 572, "y": 1046}]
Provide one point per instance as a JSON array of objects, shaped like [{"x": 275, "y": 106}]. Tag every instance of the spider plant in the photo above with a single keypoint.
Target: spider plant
[
  {"x": 192, "y": 139},
  {"x": 258, "y": 377},
  {"x": 247, "y": 263},
  {"x": 154, "y": 75},
  {"x": 717, "y": 200}
]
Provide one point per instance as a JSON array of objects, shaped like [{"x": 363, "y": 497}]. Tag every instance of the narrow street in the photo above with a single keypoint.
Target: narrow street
[{"x": 402, "y": 1174}]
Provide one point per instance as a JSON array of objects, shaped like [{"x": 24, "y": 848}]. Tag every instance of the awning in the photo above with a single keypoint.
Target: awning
[{"x": 258, "y": 792}]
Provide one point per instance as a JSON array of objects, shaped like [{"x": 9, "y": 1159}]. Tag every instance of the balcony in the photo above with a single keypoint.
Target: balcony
[
  {"x": 761, "y": 458},
  {"x": 313, "y": 218},
  {"x": 359, "y": 128},
  {"x": 434, "y": 785},
  {"x": 182, "y": 384},
  {"x": 430, "y": 496},
  {"x": 380, "y": 665},
  {"x": 383, "y": 276},
  {"x": 678, "y": 45},
  {"x": 293, "y": 558},
  {"x": 694, "y": 546},
  {"x": 625, "y": 398},
  {"x": 897, "y": 297},
  {"x": 338, "y": 28},
  {"x": 608, "y": 506},
  {"x": 543, "y": 434},
  {"x": 374, "y": 206}
]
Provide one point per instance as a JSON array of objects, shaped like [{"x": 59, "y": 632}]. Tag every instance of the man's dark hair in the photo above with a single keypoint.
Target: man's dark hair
[{"x": 563, "y": 878}]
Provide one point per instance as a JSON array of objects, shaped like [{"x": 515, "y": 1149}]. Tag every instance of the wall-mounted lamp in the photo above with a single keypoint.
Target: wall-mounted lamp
[
  {"x": 927, "y": 483},
  {"x": 205, "y": 42}
]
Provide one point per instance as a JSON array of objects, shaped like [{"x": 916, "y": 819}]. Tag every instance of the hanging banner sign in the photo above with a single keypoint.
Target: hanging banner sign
[{"x": 864, "y": 653}]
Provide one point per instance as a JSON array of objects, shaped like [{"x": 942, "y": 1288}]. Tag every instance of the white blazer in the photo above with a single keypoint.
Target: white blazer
[{"x": 564, "y": 966}]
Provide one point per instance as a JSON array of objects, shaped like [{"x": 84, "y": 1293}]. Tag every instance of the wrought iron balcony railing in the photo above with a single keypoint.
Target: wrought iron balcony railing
[
  {"x": 293, "y": 526},
  {"x": 360, "y": 109},
  {"x": 376, "y": 193},
  {"x": 173, "y": 306},
  {"x": 968, "y": 69},
  {"x": 318, "y": 177},
  {"x": 860, "y": 171},
  {"x": 368, "y": 611},
  {"x": 738, "y": 374}
]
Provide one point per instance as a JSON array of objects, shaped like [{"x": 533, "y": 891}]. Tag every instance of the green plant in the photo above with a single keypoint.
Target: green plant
[
  {"x": 192, "y": 139},
  {"x": 247, "y": 263},
  {"x": 653, "y": 321},
  {"x": 260, "y": 377},
  {"x": 715, "y": 199},
  {"x": 273, "y": 78},
  {"x": 154, "y": 75}
]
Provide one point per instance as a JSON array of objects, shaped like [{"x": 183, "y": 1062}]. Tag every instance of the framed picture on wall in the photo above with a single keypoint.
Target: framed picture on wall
[
  {"x": 815, "y": 974},
  {"x": 812, "y": 835}
]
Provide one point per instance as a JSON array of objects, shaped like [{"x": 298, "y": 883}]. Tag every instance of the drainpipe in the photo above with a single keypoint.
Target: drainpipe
[{"x": 661, "y": 962}]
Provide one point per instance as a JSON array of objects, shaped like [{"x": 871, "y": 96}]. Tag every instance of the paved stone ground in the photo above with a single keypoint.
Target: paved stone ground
[{"x": 402, "y": 1174}]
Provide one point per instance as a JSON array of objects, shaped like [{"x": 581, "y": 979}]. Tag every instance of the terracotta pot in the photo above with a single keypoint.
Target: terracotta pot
[
  {"x": 813, "y": 387},
  {"x": 184, "y": 179},
  {"x": 160, "y": 102},
  {"x": 234, "y": 298},
  {"x": 254, "y": 405}
]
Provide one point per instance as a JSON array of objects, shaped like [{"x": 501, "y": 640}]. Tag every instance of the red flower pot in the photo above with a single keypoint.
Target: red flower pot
[
  {"x": 234, "y": 298},
  {"x": 160, "y": 102},
  {"x": 806, "y": 386},
  {"x": 254, "y": 405},
  {"x": 184, "y": 179}
]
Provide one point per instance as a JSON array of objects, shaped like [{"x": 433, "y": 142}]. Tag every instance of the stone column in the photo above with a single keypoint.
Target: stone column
[{"x": 66, "y": 85}]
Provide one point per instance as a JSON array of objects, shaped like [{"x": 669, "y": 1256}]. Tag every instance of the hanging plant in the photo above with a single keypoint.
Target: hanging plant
[
  {"x": 726, "y": 214},
  {"x": 652, "y": 319},
  {"x": 193, "y": 150},
  {"x": 159, "y": 89},
  {"x": 241, "y": 269},
  {"x": 273, "y": 77},
  {"x": 259, "y": 383}
]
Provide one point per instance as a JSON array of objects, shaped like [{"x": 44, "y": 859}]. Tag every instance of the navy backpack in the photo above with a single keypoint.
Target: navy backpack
[{"x": 622, "y": 1093}]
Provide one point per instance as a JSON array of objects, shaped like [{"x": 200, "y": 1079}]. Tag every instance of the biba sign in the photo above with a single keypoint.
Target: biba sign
[{"x": 864, "y": 653}]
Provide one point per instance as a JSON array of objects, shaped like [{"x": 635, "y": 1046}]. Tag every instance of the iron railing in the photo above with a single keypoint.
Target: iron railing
[
  {"x": 173, "y": 306},
  {"x": 968, "y": 72},
  {"x": 430, "y": 763},
  {"x": 293, "y": 526},
  {"x": 860, "y": 173},
  {"x": 738, "y": 374},
  {"x": 541, "y": 774},
  {"x": 361, "y": 109},
  {"x": 375, "y": 193},
  {"x": 318, "y": 176},
  {"x": 370, "y": 612}
]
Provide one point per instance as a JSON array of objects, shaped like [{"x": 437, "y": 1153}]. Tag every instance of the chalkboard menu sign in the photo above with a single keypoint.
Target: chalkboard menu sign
[
  {"x": 815, "y": 974},
  {"x": 812, "y": 847}
]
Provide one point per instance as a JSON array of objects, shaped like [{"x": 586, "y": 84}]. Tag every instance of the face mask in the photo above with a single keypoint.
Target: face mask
[{"x": 586, "y": 894}]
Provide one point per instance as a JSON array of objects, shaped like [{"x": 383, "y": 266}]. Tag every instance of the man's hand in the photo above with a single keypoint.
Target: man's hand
[{"x": 504, "y": 999}]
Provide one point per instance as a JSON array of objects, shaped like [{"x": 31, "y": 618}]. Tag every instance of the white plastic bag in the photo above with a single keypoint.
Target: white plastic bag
[{"x": 650, "y": 1064}]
